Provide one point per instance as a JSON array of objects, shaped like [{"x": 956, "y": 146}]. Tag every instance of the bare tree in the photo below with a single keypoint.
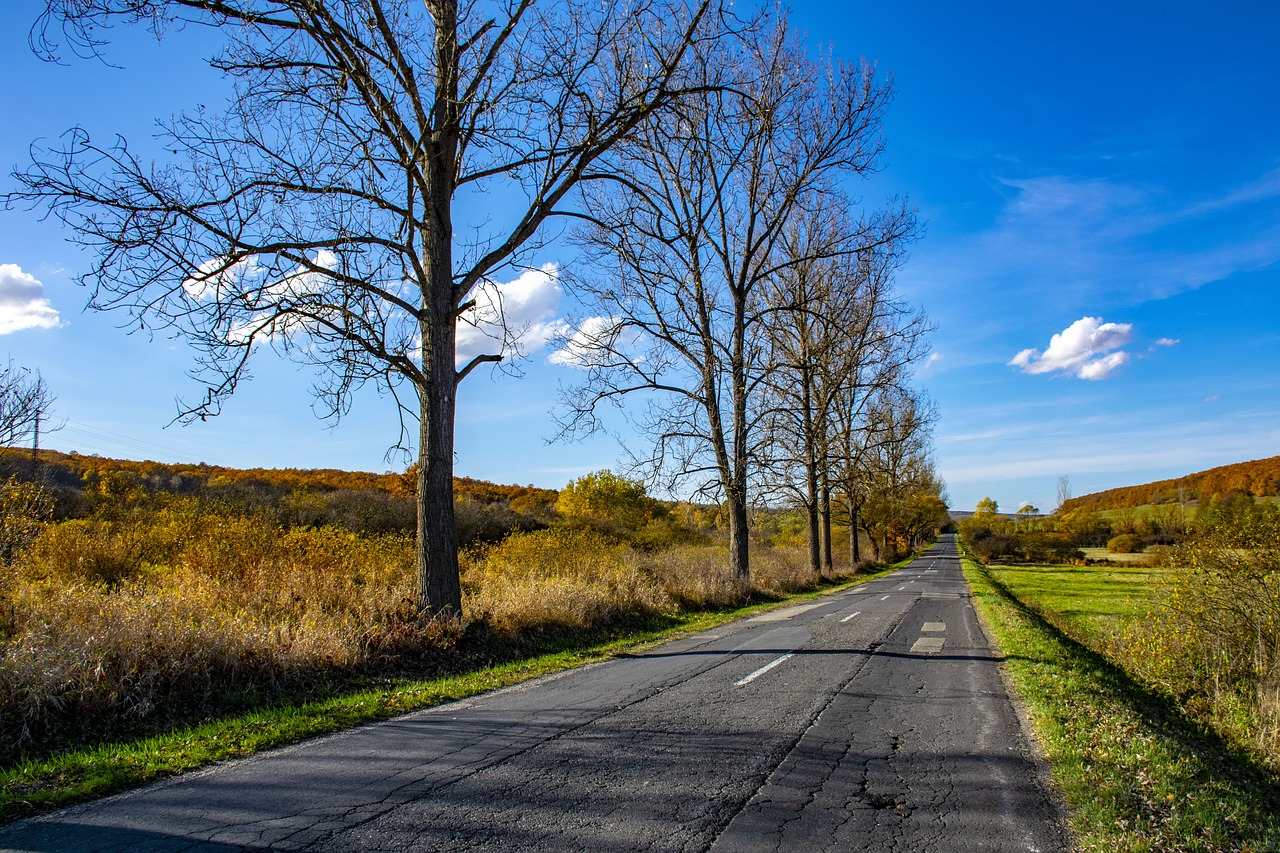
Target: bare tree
[
  {"x": 25, "y": 401},
  {"x": 882, "y": 338},
  {"x": 827, "y": 320},
  {"x": 687, "y": 244},
  {"x": 316, "y": 214}
]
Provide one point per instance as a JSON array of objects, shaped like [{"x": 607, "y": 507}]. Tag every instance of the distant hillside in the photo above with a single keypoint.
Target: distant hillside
[
  {"x": 1259, "y": 478},
  {"x": 74, "y": 469}
]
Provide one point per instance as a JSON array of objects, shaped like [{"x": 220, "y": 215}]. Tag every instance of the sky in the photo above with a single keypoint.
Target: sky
[{"x": 1099, "y": 185}]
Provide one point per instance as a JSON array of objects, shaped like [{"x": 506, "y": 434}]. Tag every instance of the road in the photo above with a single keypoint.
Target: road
[{"x": 870, "y": 719}]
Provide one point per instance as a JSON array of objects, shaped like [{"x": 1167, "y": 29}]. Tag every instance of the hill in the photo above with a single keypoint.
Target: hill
[
  {"x": 74, "y": 469},
  {"x": 1259, "y": 478}
]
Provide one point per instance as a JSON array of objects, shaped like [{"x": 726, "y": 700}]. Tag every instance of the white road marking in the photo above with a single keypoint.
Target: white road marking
[
  {"x": 785, "y": 613},
  {"x": 934, "y": 626},
  {"x": 901, "y": 588},
  {"x": 851, "y": 615},
  {"x": 761, "y": 671},
  {"x": 884, "y": 598},
  {"x": 928, "y": 645}
]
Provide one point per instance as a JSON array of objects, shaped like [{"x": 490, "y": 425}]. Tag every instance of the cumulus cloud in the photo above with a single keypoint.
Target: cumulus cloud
[
  {"x": 589, "y": 343},
  {"x": 520, "y": 314},
  {"x": 22, "y": 302},
  {"x": 1087, "y": 349},
  {"x": 1168, "y": 342}
]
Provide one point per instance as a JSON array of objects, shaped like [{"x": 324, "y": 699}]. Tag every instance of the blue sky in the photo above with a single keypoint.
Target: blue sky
[{"x": 1108, "y": 174}]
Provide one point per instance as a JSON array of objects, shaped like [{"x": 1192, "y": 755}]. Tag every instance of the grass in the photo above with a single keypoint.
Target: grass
[
  {"x": 1136, "y": 772},
  {"x": 488, "y": 663},
  {"x": 1105, "y": 554},
  {"x": 1095, "y": 600}
]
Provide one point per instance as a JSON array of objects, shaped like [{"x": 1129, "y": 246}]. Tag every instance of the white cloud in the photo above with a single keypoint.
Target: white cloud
[
  {"x": 522, "y": 312},
  {"x": 1083, "y": 349},
  {"x": 1167, "y": 342},
  {"x": 588, "y": 344},
  {"x": 22, "y": 302}
]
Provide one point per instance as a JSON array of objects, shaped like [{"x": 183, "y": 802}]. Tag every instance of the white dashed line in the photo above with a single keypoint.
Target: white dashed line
[
  {"x": 761, "y": 671},
  {"x": 884, "y": 598},
  {"x": 851, "y": 615},
  {"x": 785, "y": 613}
]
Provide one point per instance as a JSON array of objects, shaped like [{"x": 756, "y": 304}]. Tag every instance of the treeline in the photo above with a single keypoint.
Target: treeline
[
  {"x": 1259, "y": 478},
  {"x": 1028, "y": 537}
]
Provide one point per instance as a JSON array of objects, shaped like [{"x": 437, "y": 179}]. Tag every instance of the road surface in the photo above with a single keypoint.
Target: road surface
[{"x": 870, "y": 719}]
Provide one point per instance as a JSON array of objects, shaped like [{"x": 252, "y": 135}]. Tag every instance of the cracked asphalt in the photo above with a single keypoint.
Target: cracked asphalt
[{"x": 872, "y": 719}]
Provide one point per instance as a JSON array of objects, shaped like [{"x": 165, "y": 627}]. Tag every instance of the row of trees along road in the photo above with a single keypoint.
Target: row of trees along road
[
  {"x": 739, "y": 293},
  {"x": 316, "y": 213}
]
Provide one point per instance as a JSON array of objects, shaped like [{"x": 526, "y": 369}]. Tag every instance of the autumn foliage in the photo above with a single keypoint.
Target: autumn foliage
[{"x": 1259, "y": 478}]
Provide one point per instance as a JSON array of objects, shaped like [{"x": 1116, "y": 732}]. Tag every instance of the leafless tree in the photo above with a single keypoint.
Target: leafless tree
[
  {"x": 318, "y": 214},
  {"x": 829, "y": 331},
  {"x": 25, "y": 401},
  {"x": 685, "y": 247},
  {"x": 882, "y": 338}
]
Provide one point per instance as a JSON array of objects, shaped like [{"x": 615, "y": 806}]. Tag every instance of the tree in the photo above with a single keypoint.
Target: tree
[
  {"x": 986, "y": 506},
  {"x": 836, "y": 336},
  {"x": 1064, "y": 490},
  {"x": 25, "y": 401},
  {"x": 316, "y": 214},
  {"x": 685, "y": 248},
  {"x": 604, "y": 496}
]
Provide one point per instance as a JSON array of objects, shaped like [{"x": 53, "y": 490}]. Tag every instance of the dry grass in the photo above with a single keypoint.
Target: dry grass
[{"x": 118, "y": 627}]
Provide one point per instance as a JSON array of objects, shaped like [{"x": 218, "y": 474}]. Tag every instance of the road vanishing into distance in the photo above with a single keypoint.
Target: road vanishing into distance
[{"x": 869, "y": 719}]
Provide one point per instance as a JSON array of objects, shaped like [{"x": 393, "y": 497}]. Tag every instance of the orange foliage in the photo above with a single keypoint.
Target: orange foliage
[
  {"x": 163, "y": 476},
  {"x": 1260, "y": 477}
]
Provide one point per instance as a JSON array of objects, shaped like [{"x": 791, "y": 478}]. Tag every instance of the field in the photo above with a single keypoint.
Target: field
[
  {"x": 1093, "y": 602},
  {"x": 1138, "y": 771}
]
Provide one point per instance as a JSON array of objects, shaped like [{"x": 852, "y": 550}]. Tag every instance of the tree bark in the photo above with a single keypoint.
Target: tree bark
[{"x": 824, "y": 512}]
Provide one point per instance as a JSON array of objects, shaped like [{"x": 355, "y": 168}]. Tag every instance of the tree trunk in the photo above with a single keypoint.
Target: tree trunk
[
  {"x": 854, "y": 556},
  {"x": 824, "y": 513},
  {"x": 739, "y": 543},
  {"x": 439, "y": 590}
]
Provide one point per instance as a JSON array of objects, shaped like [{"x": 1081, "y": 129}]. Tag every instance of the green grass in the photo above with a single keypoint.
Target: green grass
[
  {"x": 41, "y": 785},
  {"x": 1093, "y": 599},
  {"x": 1137, "y": 774}
]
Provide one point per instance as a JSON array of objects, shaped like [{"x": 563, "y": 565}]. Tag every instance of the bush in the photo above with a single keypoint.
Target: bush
[
  {"x": 24, "y": 510},
  {"x": 605, "y": 497},
  {"x": 1125, "y": 543},
  {"x": 1214, "y": 638}
]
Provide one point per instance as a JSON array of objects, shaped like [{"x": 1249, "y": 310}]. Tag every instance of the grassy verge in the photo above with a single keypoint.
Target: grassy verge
[
  {"x": 38, "y": 786},
  {"x": 1137, "y": 774}
]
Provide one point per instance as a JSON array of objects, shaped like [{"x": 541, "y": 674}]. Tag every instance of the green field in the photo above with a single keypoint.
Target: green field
[
  {"x": 1136, "y": 772},
  {"x": 1095, "y": 600}
]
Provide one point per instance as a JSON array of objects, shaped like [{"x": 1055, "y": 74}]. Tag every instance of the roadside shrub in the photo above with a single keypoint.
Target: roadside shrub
[
  {"x": 84, "y": 552},
  {"x": 563, "y": 576},
  {"x": 25, "y": 508},
  {"x": 1125, "y": 543},
  {"x": 1214, "y": 638}
]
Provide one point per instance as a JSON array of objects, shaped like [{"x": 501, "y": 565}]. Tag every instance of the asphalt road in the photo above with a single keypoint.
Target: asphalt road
[{"x": 872, "y": 719}]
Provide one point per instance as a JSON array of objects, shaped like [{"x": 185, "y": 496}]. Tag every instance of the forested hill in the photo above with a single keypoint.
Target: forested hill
[
  {"x": 73, "y": 469},
  {"x": 1259, "y": 478}
]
